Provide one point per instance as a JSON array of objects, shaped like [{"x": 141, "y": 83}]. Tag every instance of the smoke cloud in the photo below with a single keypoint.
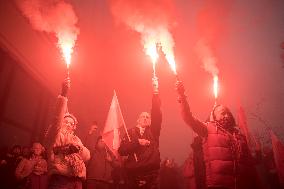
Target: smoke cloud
[
  {"x": 53, "y": 16},
  {"x": 152, "y": 19},
  {"x": 207, "y": 58}
]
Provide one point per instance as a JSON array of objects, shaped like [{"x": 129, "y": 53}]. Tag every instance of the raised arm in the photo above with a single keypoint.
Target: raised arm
[
  {"x": 156, "y": 113},
  {"x": 196, "y": 125},
  {"x": 60, "y": 109}
]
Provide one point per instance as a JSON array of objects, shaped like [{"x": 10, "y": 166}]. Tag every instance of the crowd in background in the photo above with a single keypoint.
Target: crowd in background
[{"x": 23, "y": 167}]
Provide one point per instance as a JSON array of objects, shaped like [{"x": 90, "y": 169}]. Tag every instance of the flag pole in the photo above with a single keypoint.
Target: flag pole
[{"x": 127, "y": 134}]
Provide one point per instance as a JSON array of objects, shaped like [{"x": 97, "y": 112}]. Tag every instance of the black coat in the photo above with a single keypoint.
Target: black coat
[{"x": 148, "y": 156}]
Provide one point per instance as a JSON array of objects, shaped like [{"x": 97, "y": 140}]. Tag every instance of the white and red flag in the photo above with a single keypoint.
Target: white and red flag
[
  {"x": 278, "y": 153},
  {"x": 114, "y": 127}
]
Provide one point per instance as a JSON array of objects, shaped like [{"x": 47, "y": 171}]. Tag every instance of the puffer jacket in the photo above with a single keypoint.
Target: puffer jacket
[
  {"x": 219, "y": 157},
  {"x": 226, "y": 154}
]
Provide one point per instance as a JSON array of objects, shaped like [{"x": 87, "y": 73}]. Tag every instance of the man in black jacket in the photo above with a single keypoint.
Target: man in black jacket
[{"x": 143, "y": 162}]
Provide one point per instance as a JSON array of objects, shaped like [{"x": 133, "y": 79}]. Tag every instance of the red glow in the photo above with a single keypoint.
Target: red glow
[
  {"x": 66, "y": 42},
  {"x": 171, "y": 60},
  {"x": 152, "y": 52},
  {"x": 215, "y": 86}
]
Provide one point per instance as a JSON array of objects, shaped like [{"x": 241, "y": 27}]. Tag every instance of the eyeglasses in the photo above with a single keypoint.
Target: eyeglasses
[{"x": 69, "y": 123}]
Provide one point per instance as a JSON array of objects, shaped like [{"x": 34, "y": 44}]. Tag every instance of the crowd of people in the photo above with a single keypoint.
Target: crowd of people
[
  {"x": 219, "y": 159},
  {"x": 23, "y": 167}
]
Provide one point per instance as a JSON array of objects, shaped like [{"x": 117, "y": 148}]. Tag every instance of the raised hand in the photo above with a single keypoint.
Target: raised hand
[
  {"x": 65, "y": 87},
  {"x": 155, "y": 84},
  {"x": 143, "y": 142}
]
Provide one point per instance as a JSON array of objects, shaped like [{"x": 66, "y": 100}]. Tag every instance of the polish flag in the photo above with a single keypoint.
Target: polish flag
[{"x": 115, "y": 127}]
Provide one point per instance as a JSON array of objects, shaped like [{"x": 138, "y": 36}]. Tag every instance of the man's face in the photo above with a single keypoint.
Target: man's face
[
  {"x": 25, "y": 151},
  {"x": 101, "y": 144},
  {"x": 223, "y": 116},
  {"x": 69, "y": 124},
  {"x": 93, "y": 128},
  {"x": 169, "y": 163},
  {"x": 17, "y": 151},
  {"x": 144, "y": 120}
]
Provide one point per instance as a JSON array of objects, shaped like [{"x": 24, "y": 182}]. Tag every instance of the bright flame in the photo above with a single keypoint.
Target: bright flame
[
  {"x": 53, "y": 16},
  {"x": 66, "y": 42},
  {"x": 215, "y": 86},
  {"x": 171, "y": 60},
  {"x": 161, "y": 35},
  {"x": 152, "y": 52},
  {"x": 67, "y": 51}
]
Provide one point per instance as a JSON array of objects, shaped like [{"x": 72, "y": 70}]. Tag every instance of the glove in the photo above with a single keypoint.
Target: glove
[
  {"x": 155, "y": 84},
  {"x": 61, "y": 150},
  {"x": 73, "y": 149},
  {"x": 66, "y": 149},
  {"x": 65, "y": 87}
]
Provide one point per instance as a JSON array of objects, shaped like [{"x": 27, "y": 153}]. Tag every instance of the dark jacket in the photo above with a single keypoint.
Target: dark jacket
[
  {"x": 148, "y": 156},
  {"x": 98, "y": 167}
]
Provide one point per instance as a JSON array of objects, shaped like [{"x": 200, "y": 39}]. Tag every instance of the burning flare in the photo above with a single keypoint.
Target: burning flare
[
  {"x": 56, "y": 17},
  {"x": 151, "y": 51},
  {"x": 215, "y": 86},
  {"x": 209, "y": 62},
  {"x": 66, "y": 51},
  {"x": 153, "y": 20},
  {"x": 66, "y": 43},
  {"x": 171, "y": 60},
  {"x": 164, "y": 38}
]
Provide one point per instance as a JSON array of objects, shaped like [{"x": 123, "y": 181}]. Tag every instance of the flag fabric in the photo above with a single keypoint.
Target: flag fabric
[
  {"x": 114, "y": 127},
  {"x": 278, "y": 153},
  {"x": 242, "y": 123}
]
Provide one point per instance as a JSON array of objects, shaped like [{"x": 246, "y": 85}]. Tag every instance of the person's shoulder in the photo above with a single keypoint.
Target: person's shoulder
[
  {"x": 132, "y": 131},
  {"x": 25, "y": 161},
  {"x": 77, "y": 139}
]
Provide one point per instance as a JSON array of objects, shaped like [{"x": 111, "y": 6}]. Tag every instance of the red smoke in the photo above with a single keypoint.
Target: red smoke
[
  {"x": 53, "y": 16},
  {"x": 212, "y": 20},
  {"x": 149, "y": 13},
  {"x": 211, "y": 25},
  {"x": 153, "y": 20}
]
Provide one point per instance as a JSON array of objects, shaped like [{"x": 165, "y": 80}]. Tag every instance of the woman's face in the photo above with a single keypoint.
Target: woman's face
[{"x": 69, "y": 124}]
